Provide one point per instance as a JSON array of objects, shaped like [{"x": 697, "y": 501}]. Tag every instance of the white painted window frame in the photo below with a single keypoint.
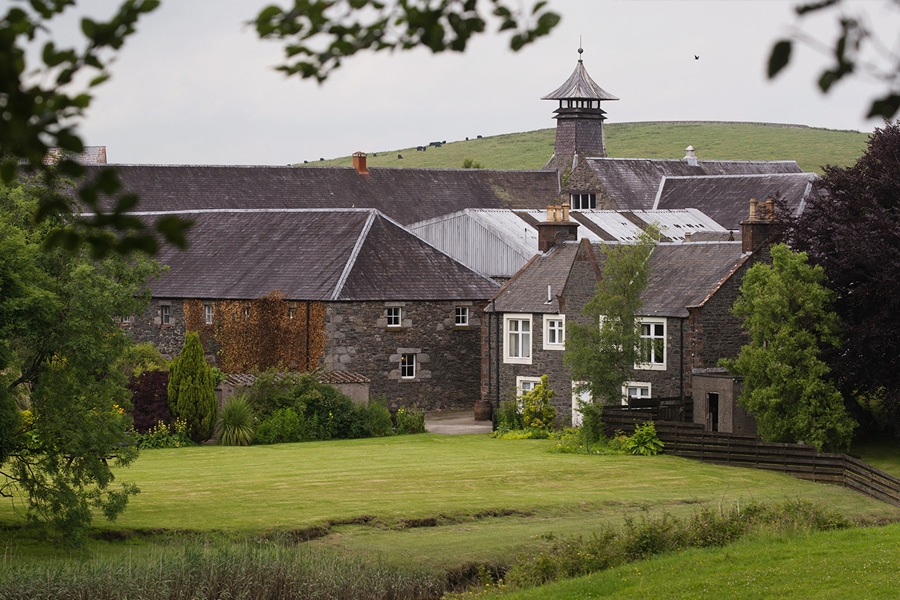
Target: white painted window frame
[
  {"x": 636, "y": 384},
  {"x": 406, "y": 364},
  {"x": 519, "y": 359},
  {"x": 654, "y": 366},
  {"x": 548, "y": 345}
]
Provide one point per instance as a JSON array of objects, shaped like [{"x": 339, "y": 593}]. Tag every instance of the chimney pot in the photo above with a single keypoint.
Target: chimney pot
[
  {"x": 690, "y": 156},
  {"x": 753, "y": 203}
]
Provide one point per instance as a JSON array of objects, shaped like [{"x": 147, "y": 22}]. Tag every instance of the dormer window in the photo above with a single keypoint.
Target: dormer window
[{"x": 583, "y": 201}]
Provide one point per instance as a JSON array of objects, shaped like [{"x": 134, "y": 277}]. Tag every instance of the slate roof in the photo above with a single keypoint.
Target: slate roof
[
  {"x": 321, "y": 255},
  {"x": 579, "y": 86},
  {"x": 726, "y": 198},
  {"x": 682, "y": 275},
  {"x": 526, "y": 292},
  {"x": 405, "y": 195},
  {"x": 633, "y": 183}
]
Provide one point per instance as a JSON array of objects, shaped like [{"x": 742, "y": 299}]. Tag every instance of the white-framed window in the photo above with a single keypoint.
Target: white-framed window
[
  {"x": 394, "y": 316},
  {"x": 461, "y": 316},
  {"x": 525, "y": 384},
  {"x": 165, "y": 314},
  {"x": 517, "y": 338},
  {"x": 126, "y": 321},
  {"x": 208, "y": 314},
  {"x": 652, "y": 348},
  {"x": 639, "y": 390},
  {"x": 292, "y": 308},
  {"x": 554, "y": 332},
  {"x": 582, "y": 201},
  {"x": 408, "y": 366}
]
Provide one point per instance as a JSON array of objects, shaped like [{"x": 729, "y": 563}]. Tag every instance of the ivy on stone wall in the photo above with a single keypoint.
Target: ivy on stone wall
[{"x": 256, "y": 335}]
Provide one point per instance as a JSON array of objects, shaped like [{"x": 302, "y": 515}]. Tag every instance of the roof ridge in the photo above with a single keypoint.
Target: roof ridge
[
  {"x": 354, "y": 254},
  {"x": 735, "y": 175}
]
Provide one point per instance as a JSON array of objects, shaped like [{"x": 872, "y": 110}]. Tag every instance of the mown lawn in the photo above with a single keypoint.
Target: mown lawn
[{"x": 430, "y": 499}]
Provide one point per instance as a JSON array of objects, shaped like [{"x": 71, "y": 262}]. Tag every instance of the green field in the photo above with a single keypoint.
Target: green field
[
  {"x": 425, "y": 501},
  {"x": 812, "y": 148}
]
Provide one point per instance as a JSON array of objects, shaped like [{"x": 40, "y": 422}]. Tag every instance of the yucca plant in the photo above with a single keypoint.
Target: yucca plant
[{"x": 235, "y": 424}]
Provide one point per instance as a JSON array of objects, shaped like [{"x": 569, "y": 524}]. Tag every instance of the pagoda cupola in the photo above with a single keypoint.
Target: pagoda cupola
[{"x": 579, "y": 118}]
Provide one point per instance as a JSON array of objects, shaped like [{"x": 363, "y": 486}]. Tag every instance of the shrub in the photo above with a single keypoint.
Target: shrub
[
  {"x": 192, "y": 389},
  {"x": 284, "y": 425},
  {"x": 372, "y": 420},
  {"x": 235, "y": 424},
  {"x": 409, "y": 421},
  {"x": 141, "y": 358},
  {"x": 509, "y": 417},
  {"x": 162, "y": 435},
  {"x": 644, "y": 441},
  {"x": 537, "y": 411},
  {"x": 149, "y": 399}
]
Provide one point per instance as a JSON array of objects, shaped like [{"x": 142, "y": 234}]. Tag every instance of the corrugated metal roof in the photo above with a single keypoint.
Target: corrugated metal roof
[
  {"x": 322, "y": 255},
  {"x": 579, "y": 86},
  {"x": 497, "y": 242}
]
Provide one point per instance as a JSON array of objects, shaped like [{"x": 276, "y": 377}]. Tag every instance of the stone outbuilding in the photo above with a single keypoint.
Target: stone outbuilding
[{"x": 340, "y": 290}]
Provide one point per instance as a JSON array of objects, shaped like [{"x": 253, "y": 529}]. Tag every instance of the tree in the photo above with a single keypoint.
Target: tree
[
  {"x": 851, "y": 229},
  {"x": 63, "y": 400},
  {"x": 192, "y": 395},
  {"x": 603, "y": 352},
  {"x": 856, "y": 51},
  {"x": 786, "y": 309},
  {"x": 43, "y": 103}
]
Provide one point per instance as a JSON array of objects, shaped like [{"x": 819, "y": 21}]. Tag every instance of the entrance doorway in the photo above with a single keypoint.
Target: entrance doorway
[{"x": 712, "y": 411}]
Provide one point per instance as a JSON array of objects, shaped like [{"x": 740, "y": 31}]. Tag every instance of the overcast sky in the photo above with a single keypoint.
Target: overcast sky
[{"x": 196, "y": 86}]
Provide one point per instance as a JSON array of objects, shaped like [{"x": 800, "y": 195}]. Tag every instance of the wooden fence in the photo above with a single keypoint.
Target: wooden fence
[{"x": 691, "y": 441}]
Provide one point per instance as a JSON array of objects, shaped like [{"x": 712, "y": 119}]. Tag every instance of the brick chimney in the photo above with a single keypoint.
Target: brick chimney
[
  {"x": 557, "y": 228},
  {"x": 758, "y": 227},
  {"x": 359, "y": 163}
]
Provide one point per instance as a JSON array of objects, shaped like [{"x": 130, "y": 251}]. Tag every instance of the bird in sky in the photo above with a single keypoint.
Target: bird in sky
[{"x": 696, "y": 57}]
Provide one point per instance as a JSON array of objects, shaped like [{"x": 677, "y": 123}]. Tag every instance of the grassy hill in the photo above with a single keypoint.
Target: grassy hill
[{"x": 812, "y": 148}]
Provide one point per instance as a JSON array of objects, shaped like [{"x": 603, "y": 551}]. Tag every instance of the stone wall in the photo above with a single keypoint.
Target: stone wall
[
  {"x": 715, "y": 333},
  {"x": 149, "y": 328},
  {"x": 447, "y": 357}
]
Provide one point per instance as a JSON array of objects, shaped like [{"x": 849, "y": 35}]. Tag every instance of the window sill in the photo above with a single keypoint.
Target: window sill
[{"x": 511, "y": 360}]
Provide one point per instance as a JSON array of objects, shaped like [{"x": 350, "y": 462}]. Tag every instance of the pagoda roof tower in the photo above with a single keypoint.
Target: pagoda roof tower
[{"x": 579, "y": 118}]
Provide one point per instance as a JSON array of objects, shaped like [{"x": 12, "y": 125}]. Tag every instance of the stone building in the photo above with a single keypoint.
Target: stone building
[
  {"x": 685, "y": 317},
  {"x": 342, "y": 290}
]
